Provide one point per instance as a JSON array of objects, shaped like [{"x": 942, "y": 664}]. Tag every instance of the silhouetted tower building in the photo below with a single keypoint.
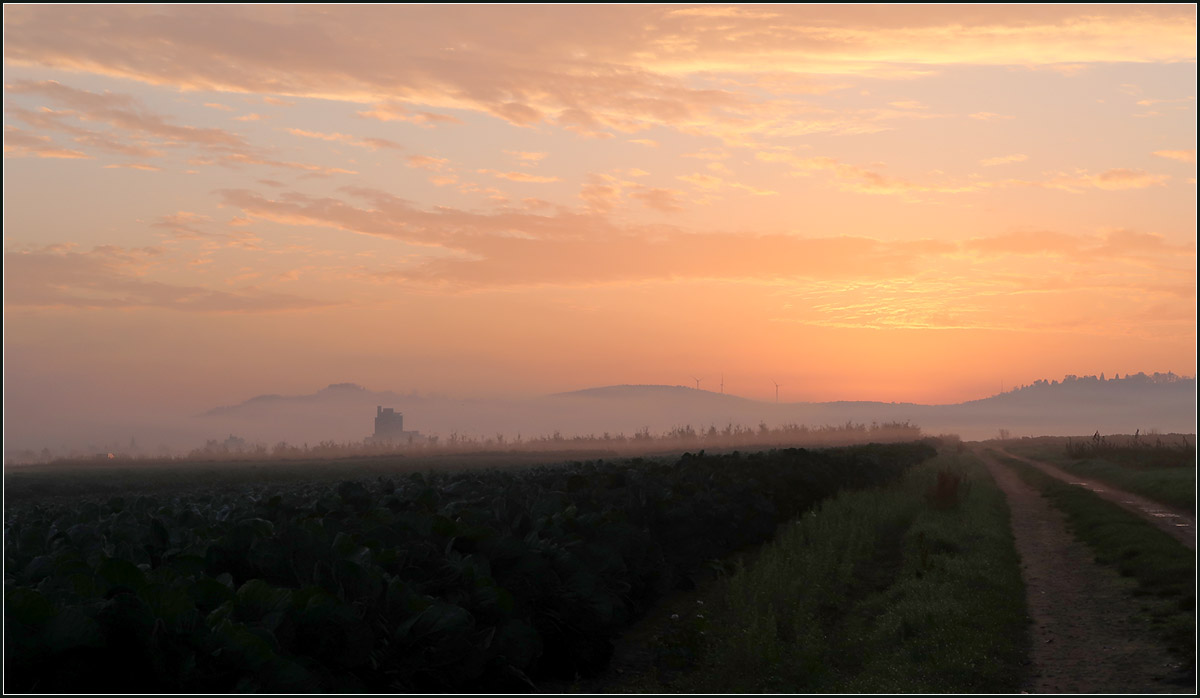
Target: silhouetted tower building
[{"x": 389, "y": 424}]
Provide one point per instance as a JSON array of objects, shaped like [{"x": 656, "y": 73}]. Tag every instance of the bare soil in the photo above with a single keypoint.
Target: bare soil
[{"x": 1087, "y": 634}]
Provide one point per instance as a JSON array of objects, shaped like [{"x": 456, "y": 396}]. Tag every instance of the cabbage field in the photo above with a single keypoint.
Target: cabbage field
[{"x": 477, "y": 581}]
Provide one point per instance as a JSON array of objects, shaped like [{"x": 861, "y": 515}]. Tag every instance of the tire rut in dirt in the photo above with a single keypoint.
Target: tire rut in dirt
[
  {"x": 1178, "y": 524},
  {"x": 1086, "y": 635}
]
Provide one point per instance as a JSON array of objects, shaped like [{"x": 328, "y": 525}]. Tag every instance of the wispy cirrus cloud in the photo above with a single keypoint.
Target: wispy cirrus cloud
[
  {"x": 523, "y": 177},
  {"x": 869, "y": 181},
  {"x": 138, "y": 132},
  {"x": 144, "y": 167},
  {"x": 990, "y": 116},
  {"x": 369, "y": 143},
  {"x": 611, "y": 81},
  {"x": 21, "y": 143},
  {"x": 1126, "y": 178},
  {"x": 1188, "y": 155},
  {"x": 1004, "y": 160},
  {"x": 125, "y": 114},
  {"x": 111, "y": 277},
  {"x": 519, "y": 247},
  {"x": 400, "y": 112}
]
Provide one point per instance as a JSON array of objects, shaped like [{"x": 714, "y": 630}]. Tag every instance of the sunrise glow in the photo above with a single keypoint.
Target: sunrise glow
[{"x": 913, "y": 203}]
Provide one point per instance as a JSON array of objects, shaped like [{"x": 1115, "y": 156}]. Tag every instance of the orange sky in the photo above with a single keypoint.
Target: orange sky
[{"x": 914, "y": 203}]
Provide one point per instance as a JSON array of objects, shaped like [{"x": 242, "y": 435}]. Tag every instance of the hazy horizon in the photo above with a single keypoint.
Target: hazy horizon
[
  {"x": 924, "y": 204},
  {"x": 342, "y": 414}
]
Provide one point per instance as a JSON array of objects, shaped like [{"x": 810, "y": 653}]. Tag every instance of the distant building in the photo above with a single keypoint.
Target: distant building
[{"x": 389, "y": 428}]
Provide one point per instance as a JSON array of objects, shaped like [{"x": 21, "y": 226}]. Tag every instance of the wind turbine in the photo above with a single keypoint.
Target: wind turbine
[
  {"x": 722, "y": 383},
  {"x": 697, "y": 381},
  {"x": 776, "y": 390}
]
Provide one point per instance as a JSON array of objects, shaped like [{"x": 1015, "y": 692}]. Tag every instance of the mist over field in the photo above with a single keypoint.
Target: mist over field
[
  {"x": 599, "y": 348},
  {"x": 344, "y": 413}
]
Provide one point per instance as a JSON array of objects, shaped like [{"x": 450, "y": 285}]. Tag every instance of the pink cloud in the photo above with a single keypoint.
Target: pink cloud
[
  {"x": 19, "y": 143},
  {"x": 1180, "y": 155},
  {"x": 524, "y": 177},
  {"x": 1122, "y": 178},
  {"x": 114, "y": 277}
]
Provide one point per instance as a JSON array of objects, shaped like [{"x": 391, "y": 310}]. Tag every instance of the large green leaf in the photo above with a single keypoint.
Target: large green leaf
[
  {"x": 27, "y": 607},
  {"x": 119, "y": 573},
  {"x": 72, "y": 628},
  {"x": 259, "y": 602}
]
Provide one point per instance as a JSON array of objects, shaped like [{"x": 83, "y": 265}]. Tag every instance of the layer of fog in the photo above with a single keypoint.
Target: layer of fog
[{"x": 345, "y": 414}]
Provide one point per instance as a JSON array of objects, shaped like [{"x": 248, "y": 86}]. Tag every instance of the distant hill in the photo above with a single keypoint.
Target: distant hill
[
  {"x": 1073, "y": 406},
  {"x": 334, "y": 392},
  {"x": 651, "y": 392},
  {"x": 345, "y": 412}
]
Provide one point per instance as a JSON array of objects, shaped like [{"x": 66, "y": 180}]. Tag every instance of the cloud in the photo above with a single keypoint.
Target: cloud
[
  {"x": 521, "y": 248},
  {"x": 1027, "y": 243},
  {"x": 394, "y": 218},
  {"x": 427, "y": 162},
  {"x": 380, "y": 144},
  {"x": 720, "y": 12},
  {"x": 709, "y": 154},
  {"x": 860, "y": 179},
  {"x": 1122, "y": 178},
  {"x": 658, "y": 198},
  {"x": 137, "y": 132},
  {"x": 519, "y": 177},
  {"x": 1180, "y": 155},
  {"x": 1116, "y": 244},
  {"x": 1003, "y": 160},
  {"x": 109, "y": 277},
  {"x": 990, "y": 116},
  {"x": 238, "y": 159},
  {"x": 321, "y": 136},
  {"x": 112, "y": 141},
  {"x": 702, "y": 181},
  {"x": 712, "y": 183},
  {"x": 600, "y": 192},
  {"x": 593, "y": 70},
  {"x": 134, "y": 166},
  {"x": 185, "y": 225},
  {"x": 525, "y": 156},
  {"x": 1124, "y": 244},
  {"x": 399, "y": 112},
  {"x": 855, "y": 178},
  {"x": 1151, "y": 102},
  {"x": 125, "y": 114},
  {"x": 20, "y": 143},
  {"x": 1069, "y": 70},
  {"x": 369, "y": 143},
  {"x": 516, "y": 261}
]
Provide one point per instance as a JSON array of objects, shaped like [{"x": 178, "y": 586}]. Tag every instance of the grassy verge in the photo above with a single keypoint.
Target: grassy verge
[
  {"x": 1165, "y": 570},
  {"x": 899, "y": 589},
  {"x": 1133, "y": 471}
]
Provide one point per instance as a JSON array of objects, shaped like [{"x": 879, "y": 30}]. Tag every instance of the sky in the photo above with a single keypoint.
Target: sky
[{"x": 908, "y": 203}]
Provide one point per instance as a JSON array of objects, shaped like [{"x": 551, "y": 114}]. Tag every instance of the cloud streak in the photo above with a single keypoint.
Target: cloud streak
[
  {"x": 108, "y": 277},
  {"x": 519, "y": 248},
  {"x": 570, "y": 70}
]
